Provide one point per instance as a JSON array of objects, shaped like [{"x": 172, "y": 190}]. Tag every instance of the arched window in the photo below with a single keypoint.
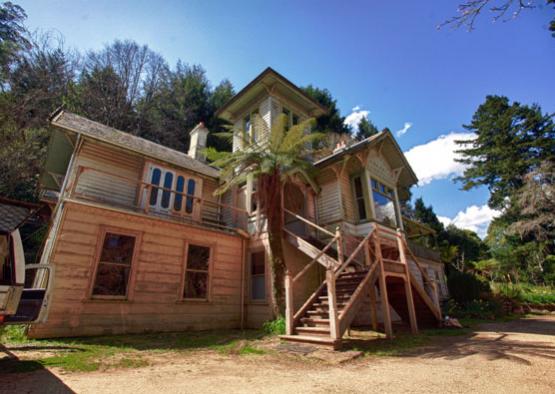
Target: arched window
[
  {"x": 190, "y": 192},
  {"x": 179, "y": 187},
  {"x": 166, "y": 194},
  {"x": 155, "y": 180}
]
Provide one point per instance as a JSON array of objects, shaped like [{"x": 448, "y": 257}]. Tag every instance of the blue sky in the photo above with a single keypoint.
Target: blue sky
[{"x": 387, "y": 58}]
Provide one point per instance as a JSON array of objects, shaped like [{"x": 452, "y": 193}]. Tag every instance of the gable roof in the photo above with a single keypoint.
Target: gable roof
[
  {"x": 393, "y": 154},
  {"x": 270, "y": 79},
  {"x": 78, "y": 124}
]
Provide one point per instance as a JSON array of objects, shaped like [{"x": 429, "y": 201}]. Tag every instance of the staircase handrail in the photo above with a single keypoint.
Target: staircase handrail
[
  {"x": 310, "y": 223},
  {"x": 316, "y": 259},
  {"x": 357, "y": 250}
]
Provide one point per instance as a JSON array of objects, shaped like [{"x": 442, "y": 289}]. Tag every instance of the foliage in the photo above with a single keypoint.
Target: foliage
[
  {"x": 511, "y": 141},
  {"x": 501, "y": 10},
  {"x": 274, "y": 327},
  {"x": 465, "y": 287},
  {"x": 273, "y": 159},
  {"x": 365, "y": 129},
  {"x": 488, "y": 309},
  {"x": 525, "y": 292},
  {"x": 332, "y": 121},
  {"x": 13, "y": 35}
]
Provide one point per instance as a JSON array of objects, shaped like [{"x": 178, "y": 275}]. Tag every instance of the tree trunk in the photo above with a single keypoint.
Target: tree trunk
[{"x": 275, "y": 238}]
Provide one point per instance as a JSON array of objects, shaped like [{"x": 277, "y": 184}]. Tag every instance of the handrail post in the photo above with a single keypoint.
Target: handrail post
[
  {"x": 339, "y": 245},
  {"x": 289, "y": 305},
  {"x": 147, "y": 199},
  {"x": 386, "y": 313},
  {"x": 332, "y": 301},
  {"x": 408, "y": 286}
]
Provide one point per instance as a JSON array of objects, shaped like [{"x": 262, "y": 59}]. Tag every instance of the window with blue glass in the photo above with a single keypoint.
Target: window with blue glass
[
  {"x": 171, "y": 191},
  {"x": 385, "y": 206}
]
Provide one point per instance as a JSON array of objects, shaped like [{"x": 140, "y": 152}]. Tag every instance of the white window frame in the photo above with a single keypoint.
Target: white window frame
[{"x": 157, "y": 207}]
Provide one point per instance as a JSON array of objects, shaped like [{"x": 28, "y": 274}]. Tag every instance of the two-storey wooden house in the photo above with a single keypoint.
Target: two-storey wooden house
[{"x": 141, "y": 243}]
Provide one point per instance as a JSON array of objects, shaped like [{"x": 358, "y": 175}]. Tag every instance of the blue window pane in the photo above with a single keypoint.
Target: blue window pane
[
  {"x": 190, "y": 193},
  {"x": 155, "y": 180},
  {"x": 180, "y": 185},
  {"x": 166, "y": 194}
]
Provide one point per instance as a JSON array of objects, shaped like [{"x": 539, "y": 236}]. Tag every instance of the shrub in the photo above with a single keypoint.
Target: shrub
[
  {"x": 465, "y": 287},
  {"x": 475, "y": 309},
  {"x": 274, "y": 327}
]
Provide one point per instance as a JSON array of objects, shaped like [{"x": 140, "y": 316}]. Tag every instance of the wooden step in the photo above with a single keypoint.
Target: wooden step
[
  {"x": 315, "y": 321},
  {"x": 313, "y": 331},
  {"x": 314, "y": 340}
]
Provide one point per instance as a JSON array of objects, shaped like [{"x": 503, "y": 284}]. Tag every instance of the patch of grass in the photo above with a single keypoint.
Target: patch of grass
[
  {"x": 119, "y": 351},
  {"x": 14, "y": 334},
  {"x": 274, "y": 327},
  {"x": 526, "y": 292}
]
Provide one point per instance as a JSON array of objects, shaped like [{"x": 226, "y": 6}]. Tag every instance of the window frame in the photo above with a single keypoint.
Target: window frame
[
  {"x": 150, "y": 166},
  {"x": 130, "y": 288},
  {"x": 366, "y": 199},
  {"x": 394, "y": 199},
  {"x": 181, "y": 296},
  {"x": 265, "y": 300}
]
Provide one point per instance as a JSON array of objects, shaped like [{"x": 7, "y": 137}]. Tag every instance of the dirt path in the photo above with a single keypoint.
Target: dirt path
[{"x": 512, "y": 357}]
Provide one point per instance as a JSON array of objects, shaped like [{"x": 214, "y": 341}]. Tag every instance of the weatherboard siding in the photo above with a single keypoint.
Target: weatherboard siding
[{"x": 154, "y": 302}]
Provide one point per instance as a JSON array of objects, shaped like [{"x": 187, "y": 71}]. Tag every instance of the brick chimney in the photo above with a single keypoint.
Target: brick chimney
[{"x": 197, "y": 141}]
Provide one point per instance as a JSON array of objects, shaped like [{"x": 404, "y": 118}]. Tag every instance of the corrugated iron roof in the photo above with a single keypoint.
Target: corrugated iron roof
[{"x": 86, "y": 127}]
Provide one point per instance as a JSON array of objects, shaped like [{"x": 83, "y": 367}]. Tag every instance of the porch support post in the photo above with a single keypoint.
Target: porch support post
[
  {"x": 373, "y": 311},
  {"x": 289, "y": 306},
  {"x": 332, "y": 301},
  {"x": 383, "y": 291},
  {"x": 408, "y": 287}
]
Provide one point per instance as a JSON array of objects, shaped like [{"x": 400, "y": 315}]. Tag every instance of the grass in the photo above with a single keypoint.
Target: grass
[
  {"x": 404, "y": 342},
  {"x": 118, "y": 351}
]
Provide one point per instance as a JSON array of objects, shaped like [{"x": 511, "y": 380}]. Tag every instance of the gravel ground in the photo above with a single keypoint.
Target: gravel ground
[{"x": 509, "y": 357}]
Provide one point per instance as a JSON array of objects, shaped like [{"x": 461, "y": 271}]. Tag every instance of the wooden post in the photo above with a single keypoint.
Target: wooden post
[
  {"x": 147, "y": 199},
  {"x": 383, "y": 291},
  {"x": 332, "y": 301},
  {"x": 339, "y": 245},
  {"x": 289, "y": 305},
  {"x": 373, "y": 311},
  {"x": 408, "y": 287}
]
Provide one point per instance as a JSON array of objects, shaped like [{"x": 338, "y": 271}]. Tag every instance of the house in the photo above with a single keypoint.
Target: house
[{"x": 141, "y": 243}]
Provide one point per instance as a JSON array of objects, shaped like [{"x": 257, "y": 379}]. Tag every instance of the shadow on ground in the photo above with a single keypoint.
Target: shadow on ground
[
  {"x": 14, "y": 379},
  {"x": 492, "y": 341}
]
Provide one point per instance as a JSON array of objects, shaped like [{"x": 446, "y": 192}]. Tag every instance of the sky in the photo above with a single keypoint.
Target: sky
[{"x": 385, "y": 60}]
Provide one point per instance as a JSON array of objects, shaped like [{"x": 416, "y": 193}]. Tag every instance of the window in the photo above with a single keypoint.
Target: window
[
  {"x": 197, "y": 272},
  {"x": 114, "y": 265},
  {"x": 258, "y": 276},
  {"x": 292, "y": 118},
  {"x": 359, "y": 197},
  {"x": 172, "y": 190},
  {"x": 248, "y": 126},
  {"x": 384, "y": 203}
]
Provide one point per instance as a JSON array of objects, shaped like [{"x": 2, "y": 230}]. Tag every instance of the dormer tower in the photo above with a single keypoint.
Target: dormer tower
[{"x": 268, "y": 95}]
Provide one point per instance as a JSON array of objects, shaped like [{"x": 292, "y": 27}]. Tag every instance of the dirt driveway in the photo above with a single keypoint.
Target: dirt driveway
[{"x": 510, "y": 357}]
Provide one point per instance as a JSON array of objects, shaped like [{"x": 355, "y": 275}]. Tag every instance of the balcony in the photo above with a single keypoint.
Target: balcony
[{"x": 117, "y": 191}]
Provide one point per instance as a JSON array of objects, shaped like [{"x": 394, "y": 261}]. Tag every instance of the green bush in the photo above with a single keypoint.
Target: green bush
[
  {"x": 525, "y": 292},
  {"x": 475, "y": 309},
  {"x": 465, "y": 287},
  {"x": 274, "y": 327}
]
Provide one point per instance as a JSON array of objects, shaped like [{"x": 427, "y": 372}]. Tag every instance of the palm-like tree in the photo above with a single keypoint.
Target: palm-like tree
[{"x": 276, "y": 157}]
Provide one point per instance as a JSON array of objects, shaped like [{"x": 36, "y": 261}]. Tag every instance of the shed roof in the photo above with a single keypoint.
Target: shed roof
[{"x": 78, "y": 124}]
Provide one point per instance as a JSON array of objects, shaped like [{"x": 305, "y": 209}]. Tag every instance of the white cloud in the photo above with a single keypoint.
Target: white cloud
[
  {"x": 475, "y": 218},
  {"x": 436, "y": 159},
  {"x": 354, "y": 118},
  {"x": 405, "y": 128}
]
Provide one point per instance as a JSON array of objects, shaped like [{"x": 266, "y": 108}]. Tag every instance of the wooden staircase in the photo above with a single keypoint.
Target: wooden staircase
[{"x": 354, "y": 267}]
